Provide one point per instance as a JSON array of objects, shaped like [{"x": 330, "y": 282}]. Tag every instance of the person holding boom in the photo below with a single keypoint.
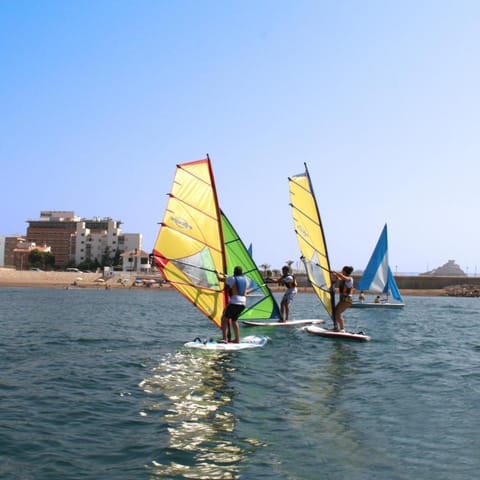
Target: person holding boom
[
  {"x": 237, "y": 285},
  {"x": 345, "y": 289}
]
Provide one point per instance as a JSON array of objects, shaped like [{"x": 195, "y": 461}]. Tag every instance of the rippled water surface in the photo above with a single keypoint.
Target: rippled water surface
[{"x": 96, "y": 384}]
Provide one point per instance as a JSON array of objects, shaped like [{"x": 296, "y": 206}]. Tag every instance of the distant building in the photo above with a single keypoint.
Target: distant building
[
  {"x": 57, "y": 229},
  {"x": 74, "y": 239},
  {"x": 9, "y": 245},
  {"x": 95, "y": 239},
  {"x": 135, "y": 261}
]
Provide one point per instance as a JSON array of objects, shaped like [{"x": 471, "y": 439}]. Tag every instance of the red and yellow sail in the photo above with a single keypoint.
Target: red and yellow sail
[{"x": 189, "y": 246}]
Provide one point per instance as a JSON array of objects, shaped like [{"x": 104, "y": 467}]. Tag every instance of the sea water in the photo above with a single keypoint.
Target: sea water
[{"x": 96, "y": 384}]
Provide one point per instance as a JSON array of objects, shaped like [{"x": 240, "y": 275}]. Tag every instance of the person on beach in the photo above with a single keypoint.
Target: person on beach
[
  {"x": 237, "y": 288},
  {"x": 345, "y": 289},
  {"x": 290, "y": 282}
]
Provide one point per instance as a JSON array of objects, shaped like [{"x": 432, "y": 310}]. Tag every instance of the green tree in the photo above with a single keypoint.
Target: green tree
[
  {"x": 106, "y": 257},
  {"x": 43, "y": 260},
  {"x": 49, "y": 260},
  {"x": 89, "y": 264},
  {"x": 35, "y": 259},
  {"x": 117, "y": 260}
]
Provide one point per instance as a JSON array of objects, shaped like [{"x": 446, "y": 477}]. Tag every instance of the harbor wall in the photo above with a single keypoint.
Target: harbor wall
[
  {"x": 427, "y": 282},
  {"x": 416, "y": 282}
]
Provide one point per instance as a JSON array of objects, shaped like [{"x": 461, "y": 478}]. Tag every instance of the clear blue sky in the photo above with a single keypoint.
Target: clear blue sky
[{"x": 100, "y": 100}]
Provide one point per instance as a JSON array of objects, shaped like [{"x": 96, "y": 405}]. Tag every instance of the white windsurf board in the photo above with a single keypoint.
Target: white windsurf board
[
  {"x": 377, "y": 305},
  {"x": 250, "y": 341},
  {"x": 323, "y": 332},
  {"x": 278, "y": 323}
]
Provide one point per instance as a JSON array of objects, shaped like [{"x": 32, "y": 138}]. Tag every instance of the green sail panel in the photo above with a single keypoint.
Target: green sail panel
[{"x": 261, "y": 303}]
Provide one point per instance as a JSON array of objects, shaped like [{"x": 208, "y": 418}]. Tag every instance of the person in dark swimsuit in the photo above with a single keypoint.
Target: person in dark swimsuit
[{"x": 345, "y": 289}]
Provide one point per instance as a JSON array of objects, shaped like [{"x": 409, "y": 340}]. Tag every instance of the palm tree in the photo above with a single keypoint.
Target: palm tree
[
  {"x": 265, "y": 267},
  {"x": 289, "y": 264}
]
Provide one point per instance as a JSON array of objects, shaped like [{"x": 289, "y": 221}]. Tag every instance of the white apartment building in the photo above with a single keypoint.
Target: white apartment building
[{"x": 99, "y": 237}]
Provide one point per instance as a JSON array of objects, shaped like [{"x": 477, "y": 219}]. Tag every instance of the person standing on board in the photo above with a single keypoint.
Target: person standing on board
[
  {"x": 345, "y": 289},
  {"x": 287, "y": 279},
  {"x": 237, "y": 288}
]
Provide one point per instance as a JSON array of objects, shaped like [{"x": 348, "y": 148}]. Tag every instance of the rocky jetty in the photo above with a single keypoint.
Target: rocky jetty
[
  {"x": 463, "y": 291},
  {"x": 449, "y": 269}
]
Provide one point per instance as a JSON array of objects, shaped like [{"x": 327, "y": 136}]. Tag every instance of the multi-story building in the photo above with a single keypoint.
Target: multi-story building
[
  {"x": 101, "y": 239},
  {"x": 9, "y": 245},
  {"x": 15, "y": 251},
  {"x": 75, "y": 240},
  {"x": 57, "y": 229}
]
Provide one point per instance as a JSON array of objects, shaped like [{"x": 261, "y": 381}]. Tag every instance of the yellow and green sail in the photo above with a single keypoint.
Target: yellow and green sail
[
  {"x": 189, "y": 248},
  {"x": 260, "y": 302},
  {"x": 311, "y": 238}
]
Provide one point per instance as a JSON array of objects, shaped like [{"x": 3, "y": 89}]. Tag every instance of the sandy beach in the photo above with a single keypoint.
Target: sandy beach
[{"x": 26, "y": 278}]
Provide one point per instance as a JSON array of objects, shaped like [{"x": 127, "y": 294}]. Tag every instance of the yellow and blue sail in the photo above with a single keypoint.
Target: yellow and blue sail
[
  {"x": 189, "y": 248},
  {"x": 260, "y": 302},
  {"x": 311, "y": 239},
  {"x": 378, "y": 276}
]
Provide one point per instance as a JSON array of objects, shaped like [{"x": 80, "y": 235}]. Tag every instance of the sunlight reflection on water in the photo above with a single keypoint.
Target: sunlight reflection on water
[{"x": 190, "y": 392}]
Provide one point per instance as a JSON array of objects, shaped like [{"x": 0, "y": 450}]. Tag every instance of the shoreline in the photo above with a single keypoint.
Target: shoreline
[{"x": 30, "y": 279}]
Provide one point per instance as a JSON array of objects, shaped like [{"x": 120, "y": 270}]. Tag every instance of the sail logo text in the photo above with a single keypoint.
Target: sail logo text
[
  {"x": 302, "y": 231},
  {"x": 180, "y": 222}
]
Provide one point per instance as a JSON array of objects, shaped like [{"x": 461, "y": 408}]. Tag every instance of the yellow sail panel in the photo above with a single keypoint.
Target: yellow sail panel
[
  {"x": 189, "y": 246},
  {"x": 311, "y": 239}
]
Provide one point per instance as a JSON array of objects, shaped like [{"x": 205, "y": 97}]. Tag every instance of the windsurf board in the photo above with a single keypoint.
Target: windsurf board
[
  {"x": 250, "y": 341},
  {"x": 323, "y": 332},
  {"x": 278, "y": 323},
  {"x": 377, "y": 305}
]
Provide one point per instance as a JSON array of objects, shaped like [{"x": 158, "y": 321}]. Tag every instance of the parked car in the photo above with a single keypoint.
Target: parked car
[
  {"x": 76, "y": 270},
  {"x": 35, "y": 269}
]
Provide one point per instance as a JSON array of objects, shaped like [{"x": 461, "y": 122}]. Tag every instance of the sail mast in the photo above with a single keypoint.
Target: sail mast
[{"x": 220, "y": 227}]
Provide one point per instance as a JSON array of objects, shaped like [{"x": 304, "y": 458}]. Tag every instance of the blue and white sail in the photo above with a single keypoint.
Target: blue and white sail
[{"x": 378, "y": 276}]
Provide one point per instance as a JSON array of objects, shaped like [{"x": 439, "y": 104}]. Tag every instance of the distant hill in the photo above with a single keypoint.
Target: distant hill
[{"x": 449, "y": 269}]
